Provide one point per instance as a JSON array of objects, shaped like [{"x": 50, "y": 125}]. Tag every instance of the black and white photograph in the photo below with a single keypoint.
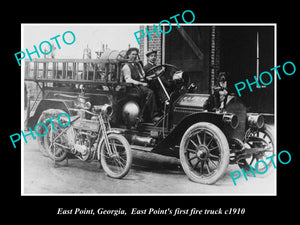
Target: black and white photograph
[
  {"x": 142, "y": 109},
  {"x": 145, "y": 111}
]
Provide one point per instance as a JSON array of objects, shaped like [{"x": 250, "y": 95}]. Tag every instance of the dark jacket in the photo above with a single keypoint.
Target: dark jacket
[{"x": 135, "y": 70}]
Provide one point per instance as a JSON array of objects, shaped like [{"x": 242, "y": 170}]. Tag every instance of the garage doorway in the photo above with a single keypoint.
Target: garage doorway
[{"x": 239, "y": 46}]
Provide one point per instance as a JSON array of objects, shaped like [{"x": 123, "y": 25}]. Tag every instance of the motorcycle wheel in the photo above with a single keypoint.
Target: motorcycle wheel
[{"x": 118, "y": 163}]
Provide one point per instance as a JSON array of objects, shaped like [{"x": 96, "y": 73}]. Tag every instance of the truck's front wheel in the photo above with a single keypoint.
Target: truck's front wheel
[{"x": 204, "y": 153}]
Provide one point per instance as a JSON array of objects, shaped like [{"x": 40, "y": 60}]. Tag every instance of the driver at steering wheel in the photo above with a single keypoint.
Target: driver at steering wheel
[
  {"x": 150, "y": 76},
  {"x": 152, "y": 56}
]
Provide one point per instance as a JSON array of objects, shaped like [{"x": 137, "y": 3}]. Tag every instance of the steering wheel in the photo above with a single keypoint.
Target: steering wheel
[{"x": 168, "y": 69}]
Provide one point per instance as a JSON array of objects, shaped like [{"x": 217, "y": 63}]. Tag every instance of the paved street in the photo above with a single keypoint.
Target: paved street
[{"x": 149, "y": 174}]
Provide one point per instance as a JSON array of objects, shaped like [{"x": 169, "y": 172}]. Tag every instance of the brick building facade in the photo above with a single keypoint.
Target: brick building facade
[
  {"x": 203, "y": 51},
  {"x": 155, "y": 43},
  {"x": 196, "y": 60}
]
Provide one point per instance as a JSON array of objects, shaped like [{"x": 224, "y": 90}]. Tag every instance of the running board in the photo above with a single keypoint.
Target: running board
[{"x": 141, "y": 148}]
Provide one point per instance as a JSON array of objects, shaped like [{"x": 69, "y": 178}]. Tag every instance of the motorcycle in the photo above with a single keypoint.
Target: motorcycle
[{"x": 90, "y": 139}]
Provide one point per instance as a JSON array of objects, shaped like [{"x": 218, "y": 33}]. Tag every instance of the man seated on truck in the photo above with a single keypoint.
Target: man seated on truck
[
  {"x": 154, "y": 85},
  {"x": 133, "y": 73}
]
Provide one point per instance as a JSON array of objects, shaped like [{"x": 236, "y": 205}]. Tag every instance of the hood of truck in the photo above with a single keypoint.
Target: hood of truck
[{"x": 192, "y": 101}]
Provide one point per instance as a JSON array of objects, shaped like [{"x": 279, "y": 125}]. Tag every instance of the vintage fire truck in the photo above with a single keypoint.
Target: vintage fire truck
[{"x": 205, "y": 139}]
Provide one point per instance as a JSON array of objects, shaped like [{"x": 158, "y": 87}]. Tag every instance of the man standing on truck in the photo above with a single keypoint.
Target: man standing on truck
[{"x": 133, "y": 73}]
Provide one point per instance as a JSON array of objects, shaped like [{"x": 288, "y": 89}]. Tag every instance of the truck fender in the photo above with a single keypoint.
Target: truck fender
[
  {"x": 44, "y": 106},
  {"x": 182, "y": 126}
]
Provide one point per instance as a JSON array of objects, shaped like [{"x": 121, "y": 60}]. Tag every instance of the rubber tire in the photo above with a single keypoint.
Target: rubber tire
[
  {"x": 270, "y": 131},
  {"x": 40, "y": 140},
  {"x": 106, "y": 168},
  {"x": 224, "y": 148},
  {"x": 43, "y": 117},
  {"x": 52, "y": 156}
]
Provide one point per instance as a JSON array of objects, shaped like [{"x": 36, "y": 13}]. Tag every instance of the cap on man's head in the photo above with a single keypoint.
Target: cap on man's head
[{"x": 150, "y": 52}]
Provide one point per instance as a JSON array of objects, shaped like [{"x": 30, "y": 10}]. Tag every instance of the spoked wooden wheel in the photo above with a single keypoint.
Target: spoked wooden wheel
[
  {"x": 55, "y": 145},
  {"x": 204, "y": 153},
  {"x": 41, "y": 130},
  {"x": 116, "y": 163},
  {"x": 47, "y": 114},
  {"x": 259, "y": 138}
]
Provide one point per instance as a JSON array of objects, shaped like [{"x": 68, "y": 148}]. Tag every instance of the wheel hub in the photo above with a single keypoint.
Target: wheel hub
[{"x": 202, "y": 152}]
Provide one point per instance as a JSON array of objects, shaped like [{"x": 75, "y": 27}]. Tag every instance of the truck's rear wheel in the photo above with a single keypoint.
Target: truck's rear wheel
[
  {"x": 45, "y": 115},
  {"x": 54, "y": 144}
]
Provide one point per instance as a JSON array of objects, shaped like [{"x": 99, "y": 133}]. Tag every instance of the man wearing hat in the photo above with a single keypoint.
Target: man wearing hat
[
  {"x": 152, "y": 56},
  {"x": 133, "y": 73},
  {"x": 154, "y": 85}
]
